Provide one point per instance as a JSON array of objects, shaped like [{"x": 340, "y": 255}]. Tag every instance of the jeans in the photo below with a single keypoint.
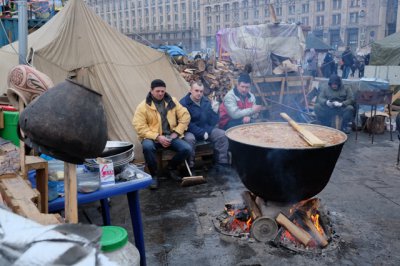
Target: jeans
[
  {"x": 325, "y": 114},
  {"x": 346, "y": 72},
  {"x": 181, "y": 147},
  {"x": 219, "y": 141}
]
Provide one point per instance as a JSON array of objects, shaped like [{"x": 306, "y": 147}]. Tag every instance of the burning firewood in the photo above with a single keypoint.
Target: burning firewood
[{"x": 299, "y": 233}]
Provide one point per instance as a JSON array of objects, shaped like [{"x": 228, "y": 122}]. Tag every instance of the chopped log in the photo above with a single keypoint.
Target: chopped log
[
  {"x": 321, "y": 239},
  {"x": 180, "y": 59},
  {"x": 296, "y": 231},
  {"x": 9, "y": 159},
  {"x": 251, "y": 205},
  {"x": 199, "y": 64}
]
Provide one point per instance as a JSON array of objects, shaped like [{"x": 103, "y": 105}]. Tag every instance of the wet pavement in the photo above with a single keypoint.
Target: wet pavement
[{"x": 362, "y": 197}]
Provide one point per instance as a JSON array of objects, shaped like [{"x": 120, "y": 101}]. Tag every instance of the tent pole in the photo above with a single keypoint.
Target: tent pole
[{"x": 22, "y": 30}]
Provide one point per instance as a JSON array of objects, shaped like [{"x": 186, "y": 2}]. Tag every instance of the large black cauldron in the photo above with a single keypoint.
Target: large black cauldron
[
  {"x": 284, "y": 174},
  {"x": 67, "y": 122}
]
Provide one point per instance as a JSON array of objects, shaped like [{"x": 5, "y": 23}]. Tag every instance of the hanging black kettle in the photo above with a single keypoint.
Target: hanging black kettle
[{"x": 67, "y": 122}]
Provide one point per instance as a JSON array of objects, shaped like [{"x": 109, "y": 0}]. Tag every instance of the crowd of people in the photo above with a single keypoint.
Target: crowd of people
[
  {"x": 163, "y": 122},
  {"x": 348, "y": 63}
]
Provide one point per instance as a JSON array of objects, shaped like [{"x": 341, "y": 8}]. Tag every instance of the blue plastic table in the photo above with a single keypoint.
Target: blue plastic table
[{"x": 130, "y": 188}]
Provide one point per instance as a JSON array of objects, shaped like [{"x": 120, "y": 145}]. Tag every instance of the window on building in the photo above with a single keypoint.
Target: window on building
[
  {"x": 183, "y": 35},
  {"x": 235, "y": 6},
  {"x": 176, "y": 17},
  {"x": 167, "y": 9},
  {"x": 161, "y": 19},
  {"x": 336, "y": 4},
  {"x": 292, "y": 9},
  {"x": 245, "y": 3},
  {"x": 183, "y": 7},
  {"x": 245, "y": 15},
  {"x": 305, "y": 21},
  {"x": 278, "y": 11},
  {"x": 305, "y": 8},
  {"x": 266, "y": 12},
  {"x": 184, "y": 17},
  {"x": 320, "y": 21},
  {"x": 209, "y": 29},
  {"x": 226, "y": 7},
  {"x": 176, "y": 8},
  {"x": 227, "y": 18},
  {"x": 320, "y": 5},
  {"x": 256, "y": 13},
  {"x": 336, "y": 18},
  {"x": 176, "y": 26},
  {"x": 209, "y": 19},
  {"x": 255, "y": 3},
  {"x": 355, "y": 3},
  {"x": 354, "y": 17},
  {"x": 216, "y": 8},
  {"x": 352, "y": 38},
  {"x": 168, "y": 18},
  {"x": 208, "y": 10},
  {"x": 217, "y": 19}
]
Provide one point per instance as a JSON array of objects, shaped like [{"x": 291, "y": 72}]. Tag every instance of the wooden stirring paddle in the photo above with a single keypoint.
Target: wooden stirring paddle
[{"x": 308, "y": 136}]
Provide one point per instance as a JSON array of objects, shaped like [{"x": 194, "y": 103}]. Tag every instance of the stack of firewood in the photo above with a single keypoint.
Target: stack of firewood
[{"x": 217, "y": 76}]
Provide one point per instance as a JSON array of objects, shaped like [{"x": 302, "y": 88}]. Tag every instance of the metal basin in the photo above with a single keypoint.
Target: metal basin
[{"x": 284, "y": 174}]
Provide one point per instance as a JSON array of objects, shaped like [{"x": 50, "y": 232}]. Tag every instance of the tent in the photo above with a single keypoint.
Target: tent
[
  {"x": 386, "y": 52},
  {"x": 313, "y": 41},
  {"x": 255, "y": 44},
  {"x": 77, "y": 43}
]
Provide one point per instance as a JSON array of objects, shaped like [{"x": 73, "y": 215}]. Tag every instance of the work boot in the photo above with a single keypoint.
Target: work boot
[
  {"x": 154, "y": 183},
  {"x": 174, "y": 175}
]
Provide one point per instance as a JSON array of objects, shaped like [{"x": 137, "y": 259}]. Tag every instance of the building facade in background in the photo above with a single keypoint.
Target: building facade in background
[{"x": 194, "y": 23}]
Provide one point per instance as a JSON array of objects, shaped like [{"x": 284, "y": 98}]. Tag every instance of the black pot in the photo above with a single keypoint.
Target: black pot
[
  {"x": 67, "y": 122},
  {"x": 284, "y": 174}
]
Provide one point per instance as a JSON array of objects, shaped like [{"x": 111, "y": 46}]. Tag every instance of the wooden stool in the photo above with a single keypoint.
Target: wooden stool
[
  {"x": 42, "y": 178},
  {"x": 337, "y": 122}
]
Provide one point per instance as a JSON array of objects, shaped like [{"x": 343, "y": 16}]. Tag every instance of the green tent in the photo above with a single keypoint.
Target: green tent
[
  {"x": 313, "y": 41},
  {"x": 386, "y": 52}
]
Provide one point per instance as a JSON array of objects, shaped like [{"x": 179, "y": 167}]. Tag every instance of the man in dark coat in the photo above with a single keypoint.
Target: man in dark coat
[
  {"x": 328, "y": 65},
  {"x": 202, "y": 125},
  {"x": 348, "y": 61},
  {"x": 335, "y": 100}
]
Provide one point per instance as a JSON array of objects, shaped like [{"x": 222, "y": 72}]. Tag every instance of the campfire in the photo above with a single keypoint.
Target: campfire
[{"x": 304, "y": 226}]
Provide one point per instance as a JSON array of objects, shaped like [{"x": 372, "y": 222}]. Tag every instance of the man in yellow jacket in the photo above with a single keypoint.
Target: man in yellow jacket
[{"x": 160, "y": 121}]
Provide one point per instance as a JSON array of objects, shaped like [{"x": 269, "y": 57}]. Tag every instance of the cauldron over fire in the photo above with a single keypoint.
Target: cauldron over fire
[{"x": 285, "y": 173}]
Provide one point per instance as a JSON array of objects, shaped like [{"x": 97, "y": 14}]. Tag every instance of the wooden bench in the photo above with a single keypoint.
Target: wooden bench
[{"x": 204, "y": 150}]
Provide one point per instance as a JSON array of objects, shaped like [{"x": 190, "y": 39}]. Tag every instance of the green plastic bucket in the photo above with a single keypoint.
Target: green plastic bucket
[{"x": 9, "y": 132}]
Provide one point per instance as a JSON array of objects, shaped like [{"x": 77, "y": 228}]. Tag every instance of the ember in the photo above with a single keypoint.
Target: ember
[{"x": 237, "y": 220}]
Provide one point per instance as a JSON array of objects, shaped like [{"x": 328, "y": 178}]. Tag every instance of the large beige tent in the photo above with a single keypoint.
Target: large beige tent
[{"x": 76, "y": 42}]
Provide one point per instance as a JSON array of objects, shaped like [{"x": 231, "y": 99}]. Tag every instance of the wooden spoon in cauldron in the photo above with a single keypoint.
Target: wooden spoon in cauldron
[{"x": 308, "y": 136}]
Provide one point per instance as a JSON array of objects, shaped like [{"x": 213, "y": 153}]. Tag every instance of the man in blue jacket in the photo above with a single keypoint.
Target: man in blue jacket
[{"x": 202, "y": 125}]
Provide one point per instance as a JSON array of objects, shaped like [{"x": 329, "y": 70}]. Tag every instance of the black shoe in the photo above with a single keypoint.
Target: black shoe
[
  {"x": 174, "y": 175},
  {"x": 154, "y": 184}
]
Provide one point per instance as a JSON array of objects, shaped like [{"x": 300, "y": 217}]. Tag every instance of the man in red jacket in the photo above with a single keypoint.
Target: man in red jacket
[{"x": 239, "y": 105}]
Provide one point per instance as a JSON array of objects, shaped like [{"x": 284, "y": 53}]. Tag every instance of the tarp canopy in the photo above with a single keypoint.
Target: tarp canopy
[
  {"x": 386, "y": 52},
  {"x": 254, "y": 44},
  {"x": 313, "y": 41},
  {"x": 76, "y": 42}
]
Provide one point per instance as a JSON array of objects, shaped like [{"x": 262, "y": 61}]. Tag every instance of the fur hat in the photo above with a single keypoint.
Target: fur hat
[{"x": 245, "y": 78}]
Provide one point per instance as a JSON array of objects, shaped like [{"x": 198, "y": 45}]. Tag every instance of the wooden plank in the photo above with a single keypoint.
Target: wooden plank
[
  {"x": 71, "y": 192},
  {"x": 21, "y": 143},
  {"x": 308, "y": 136}
]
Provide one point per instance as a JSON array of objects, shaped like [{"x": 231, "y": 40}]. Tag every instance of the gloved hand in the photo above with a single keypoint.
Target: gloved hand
[
  {"x": 329, "y": 103},
  {"x": 337, "y": 104},
  {"x": 205, "y": 136}
]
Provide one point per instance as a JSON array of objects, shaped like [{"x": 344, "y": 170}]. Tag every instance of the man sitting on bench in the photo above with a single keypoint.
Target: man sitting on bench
[
  {"x": 202, "y": 125},
  {"x": 160, "y": 121}
]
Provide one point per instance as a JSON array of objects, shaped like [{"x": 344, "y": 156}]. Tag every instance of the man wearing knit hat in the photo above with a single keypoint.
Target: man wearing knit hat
[
  {"x": 160, "y": 121},
  {"x": 239, "y": 105}
]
